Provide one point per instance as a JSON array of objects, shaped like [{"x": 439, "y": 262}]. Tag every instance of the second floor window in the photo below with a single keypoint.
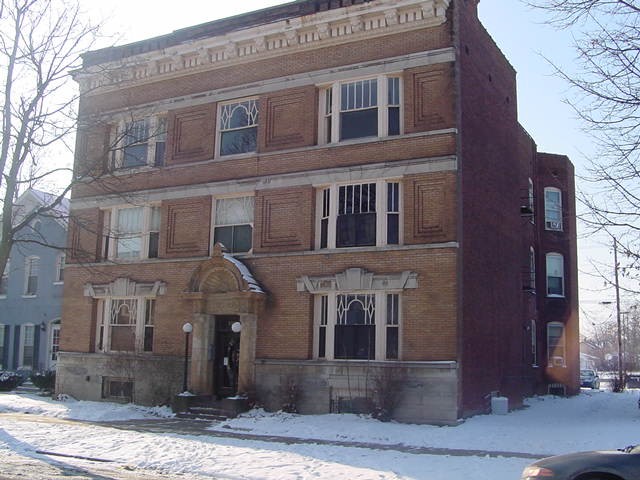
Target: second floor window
[
  {"x": 233, "y": 223},
  {"x": 60, "y": 268},
  {"x": 555, "y": 275},
  {"x": 555, "y": 344},
  {"x": 238, "y": 127},
  {"x": 358, "y": 215},
  {"x": 31, "y": 276},
  {"x": 132, "y": 233},
  {"x": 553, "y": 209},
  {"x": 360, "y": 109}
]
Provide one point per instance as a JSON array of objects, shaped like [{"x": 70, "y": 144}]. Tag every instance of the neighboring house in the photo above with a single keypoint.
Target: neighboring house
[
  {"x": 31, "y": 288},
  {"x": 390, "y": 228}
]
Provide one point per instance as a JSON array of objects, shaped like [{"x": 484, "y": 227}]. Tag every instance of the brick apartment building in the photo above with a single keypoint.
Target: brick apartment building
[{"x": 388, "y": 226}]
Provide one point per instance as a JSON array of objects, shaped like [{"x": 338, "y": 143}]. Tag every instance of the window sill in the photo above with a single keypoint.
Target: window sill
[
  {"x": 556, "y": 296},
  {"x": 29, "y": 296},
  {"x": 58, "y": 283}
]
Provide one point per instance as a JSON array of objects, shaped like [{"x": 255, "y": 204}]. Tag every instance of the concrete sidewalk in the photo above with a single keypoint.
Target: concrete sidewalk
[{"x": 180, "y": 426}]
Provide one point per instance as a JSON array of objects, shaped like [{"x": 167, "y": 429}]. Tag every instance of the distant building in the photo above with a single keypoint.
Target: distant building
[
  {"x": 31, "y": 288},
  {"x": 389, "y": 227}
]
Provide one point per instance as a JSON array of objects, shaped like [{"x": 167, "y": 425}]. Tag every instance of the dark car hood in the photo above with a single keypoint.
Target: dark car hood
[{"x": 610, "y": 461}]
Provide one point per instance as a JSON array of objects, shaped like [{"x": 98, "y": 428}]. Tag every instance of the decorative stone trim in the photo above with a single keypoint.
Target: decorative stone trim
[
  {"x": 357, "y": 280},
  {"x": 124, "y": 287},
  {"x": 376, "y": 18}
]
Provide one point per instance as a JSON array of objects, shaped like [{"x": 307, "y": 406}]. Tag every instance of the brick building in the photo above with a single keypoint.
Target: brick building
[{"x": 391, "y": 234}]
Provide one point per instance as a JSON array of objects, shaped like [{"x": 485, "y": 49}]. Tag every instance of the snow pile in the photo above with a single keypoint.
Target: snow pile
[{"x": 71, "y": 409}]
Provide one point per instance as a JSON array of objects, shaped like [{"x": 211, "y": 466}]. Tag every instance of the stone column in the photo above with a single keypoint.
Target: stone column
[
  {"x": 246, "y": 370},
  {"x": 201, "y": 377}
]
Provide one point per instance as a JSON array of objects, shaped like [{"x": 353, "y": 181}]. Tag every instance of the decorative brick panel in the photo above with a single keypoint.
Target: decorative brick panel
[
  {"x": 288, "y": 119},
  {"x": 85, "y": 228},
  {"x": 431, "y": 208},
  {"x": 191, "y": 134},
  {"x": 188, "y": 227},
  {"x": 284, "y": 220},
  {"x": 429, "y": 98}
]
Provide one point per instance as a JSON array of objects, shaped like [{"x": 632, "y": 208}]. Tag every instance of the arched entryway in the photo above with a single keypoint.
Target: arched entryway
[{"x": 227, "y": 302}]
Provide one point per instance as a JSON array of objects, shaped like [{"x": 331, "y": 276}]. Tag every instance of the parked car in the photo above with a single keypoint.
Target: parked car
[
  {"x": 606, "y": 465},
  {"x": 589, "y": 378}
]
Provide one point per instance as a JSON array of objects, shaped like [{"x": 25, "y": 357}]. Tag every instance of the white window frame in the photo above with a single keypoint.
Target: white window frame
[
  {"x": 5, "y": 278},
  {"x": 111, "y": 235},
  {"x": 553, "y": 359},
  {"x": 532, "y": 268},
  {"x": 557, "y": 257},
  {"x": 23, "y": 338},
  {"x": 104, "y": 324},
  {"x": 532, "y": 201},
  {"x": 31, "y": 263},
  {"x": 157, "y": 133},
  {"x": 330, "y": 98},
  {"x": 214, "y": 224},
  {"x": 381, "y": 212},
  {"x": 54, "y": 342},
  {"x": 60, "y": 259},
  {"x": 553, "y": 213},
  {"x": 534, "y": 342},
  {"x": 220, "y": 130},
  {"x": 381, "y": 326}
]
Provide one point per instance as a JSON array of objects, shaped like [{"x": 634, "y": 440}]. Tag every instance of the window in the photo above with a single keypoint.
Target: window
[
  {"x": 119, "y": 389},
  {"x": 360, "y": 109},
  {"x": 357, "y": 215},
  {"x": 27, "y": 346},
  {"x": 134, "y": 233},
  {"x": 555, "y": 275},
  {"x": 139, "y": 142},
  {"x": 532, "y": 268},
  {"x": 60, "y": 268},
  {"x": 358, "y": 326},
  {"x": 534, "y": 343},
  {"x": 55, "y": 341},
  {"x": 3, "y": 352},
  {"x": 238, "y": 127},
  {"x": 4, "y": 280},
  {"x": 553, "y": 209},
  {"x": 31, "y": 276},
  {"x": 555, "y": 344},
  {"x": 125, "y": 324},
  {"x": 233, "y": 223}
]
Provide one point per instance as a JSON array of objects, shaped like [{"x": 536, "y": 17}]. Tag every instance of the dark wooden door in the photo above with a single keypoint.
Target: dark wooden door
[{"x": 227, "y": 354}]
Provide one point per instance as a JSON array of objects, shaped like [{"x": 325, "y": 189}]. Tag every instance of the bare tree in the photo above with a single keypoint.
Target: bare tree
[
  {"x": 606, "y": 83},
  {"x": 40, "y": 45}
]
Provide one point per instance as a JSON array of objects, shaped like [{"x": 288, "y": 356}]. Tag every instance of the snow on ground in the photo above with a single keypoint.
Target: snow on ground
[{"x": 592, "y": 420}]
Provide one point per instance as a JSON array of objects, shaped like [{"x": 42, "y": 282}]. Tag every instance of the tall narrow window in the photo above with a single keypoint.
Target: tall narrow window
[
  {"x": 324, "y": 218},
  {"x": 122, "y": 326},
  {"x": 555, "y": 275},
  {"x": 393, "y": 322},
  {"x": 393, "y": 105},
  {"x": 28, "y": 344},
  {"x": 322, "y": 336},
  {"x": 534, "y": 343},
  {"x": 154, "y": 232},
  {"x": 356, "y": 222},
  {"x": 4, "y": 280},
  {"x": 393, "y": 213},
  {"x": 160, "y": 141},
  {"x": 238, "y": 127},
  {"x": 135, "y": 138},
  {"x": 328, "y": 116},
  {"x": 355, "y": 332},
  {"x": 149, "y": 320},
  {"x": 129, "y": 233},
  {"x": 234, "y": 223},
  {"x": 3, "y": 352},
  {"x": 31, "y": 276},
  {"x": 531, "y": 201},
  {"x": 555, "y": 344},
  {"x": 60, "y": 268},
  {"x": 532, "y": 268},
  {"x": 55, "y": 341},
  {"x": 553, "y": 208}
]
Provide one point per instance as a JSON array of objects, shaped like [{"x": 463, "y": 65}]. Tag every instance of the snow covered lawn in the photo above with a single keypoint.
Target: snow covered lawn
[{"x": 550, "y": 425}]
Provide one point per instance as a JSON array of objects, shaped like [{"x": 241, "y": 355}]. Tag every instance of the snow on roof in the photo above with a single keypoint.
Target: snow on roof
[{"x": 254, "y": 286}]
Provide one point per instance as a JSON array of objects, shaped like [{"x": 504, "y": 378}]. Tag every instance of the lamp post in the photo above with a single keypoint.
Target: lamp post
[{"x": 187, "y": 328}]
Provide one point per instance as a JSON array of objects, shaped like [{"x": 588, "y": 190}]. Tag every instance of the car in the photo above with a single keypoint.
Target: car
[
  {"x": 621, "y": 464},
  {"x": 589, "y": 378}
]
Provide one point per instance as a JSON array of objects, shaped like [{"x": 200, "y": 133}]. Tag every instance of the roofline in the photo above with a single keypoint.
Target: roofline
[{"x": 297, "y": 8}]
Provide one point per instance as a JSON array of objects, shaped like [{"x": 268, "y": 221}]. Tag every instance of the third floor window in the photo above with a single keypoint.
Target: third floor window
[
  {"x": 552, "y": 209},
  {"x": 238, "y": 127},
  {"x": 139, "y": 142}
]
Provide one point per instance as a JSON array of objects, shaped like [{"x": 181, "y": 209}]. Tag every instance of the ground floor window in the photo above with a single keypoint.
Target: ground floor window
[
  {"x": 556, "y": 344},
  {"x": 27, "y": 346},
  {"x": 4, "y": 338},
  {"x": 125, "y": 324},
  {"x": 357, "y": 326},
  {"x": 118, "y": 389},
  {"x": 55, "y": 341}
]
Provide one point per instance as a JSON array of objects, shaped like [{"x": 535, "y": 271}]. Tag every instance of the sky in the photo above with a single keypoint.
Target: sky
[
  {"x": 521, "y": 33},
  {"x": 553, "y": 425}
]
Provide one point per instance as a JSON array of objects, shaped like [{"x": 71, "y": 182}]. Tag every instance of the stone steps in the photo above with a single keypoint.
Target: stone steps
[{"x": 27, "y": 387}]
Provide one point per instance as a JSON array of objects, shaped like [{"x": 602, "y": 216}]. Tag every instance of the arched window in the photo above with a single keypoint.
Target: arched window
[
  {"x": 555, "y": 275},
  {"x": 552, "y": 209}
]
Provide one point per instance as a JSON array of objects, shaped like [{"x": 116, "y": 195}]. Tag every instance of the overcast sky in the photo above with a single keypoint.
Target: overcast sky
[{"x": 519, "y": 31}]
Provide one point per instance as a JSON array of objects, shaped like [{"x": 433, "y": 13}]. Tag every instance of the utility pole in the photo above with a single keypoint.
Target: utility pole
[{"x": 617, "y": 285}]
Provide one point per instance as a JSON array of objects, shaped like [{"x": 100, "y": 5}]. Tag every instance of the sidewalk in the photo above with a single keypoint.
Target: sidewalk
[{"x": 200, "y": 428}]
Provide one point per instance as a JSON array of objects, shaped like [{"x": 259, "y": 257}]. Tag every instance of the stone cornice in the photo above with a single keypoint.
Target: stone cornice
[{"x": 332, "y": 27}]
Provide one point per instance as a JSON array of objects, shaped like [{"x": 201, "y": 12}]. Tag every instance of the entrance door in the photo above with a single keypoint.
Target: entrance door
[{"x": 227, "y": 354}]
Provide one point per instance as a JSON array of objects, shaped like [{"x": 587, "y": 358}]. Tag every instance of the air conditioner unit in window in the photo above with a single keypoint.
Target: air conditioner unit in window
[
  {"x": 557, "y": 361},
  {"x": 554, "y": 225}
]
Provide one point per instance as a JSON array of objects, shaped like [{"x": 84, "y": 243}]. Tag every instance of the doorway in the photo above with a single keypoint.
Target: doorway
[{"x": 226, "y": 358}]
